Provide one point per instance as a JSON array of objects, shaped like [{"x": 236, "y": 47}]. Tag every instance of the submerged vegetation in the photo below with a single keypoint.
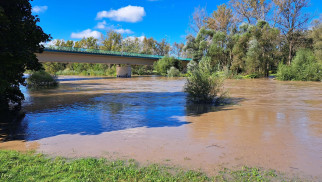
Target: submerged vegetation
[
  {"x": 164, "y": 65},
  {"x": 203, "y": 84},
  {"x": 15, "y": 166},
  {"x": 41, "y": 79},
  {"x": 304, "y": 67}
]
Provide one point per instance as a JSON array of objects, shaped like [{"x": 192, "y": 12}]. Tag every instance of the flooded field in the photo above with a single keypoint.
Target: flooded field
[{"x": 271, "y": 124}]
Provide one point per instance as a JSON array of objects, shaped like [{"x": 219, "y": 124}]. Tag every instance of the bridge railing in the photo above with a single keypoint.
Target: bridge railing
[{"x": 104, "y": 52}]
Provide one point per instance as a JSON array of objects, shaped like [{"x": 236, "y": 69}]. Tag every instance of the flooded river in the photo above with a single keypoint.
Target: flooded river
[{"x": 271, "y": 124}]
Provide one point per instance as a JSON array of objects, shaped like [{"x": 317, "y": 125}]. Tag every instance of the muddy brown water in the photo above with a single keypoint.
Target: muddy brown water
[{"x": 272, "y": 124}]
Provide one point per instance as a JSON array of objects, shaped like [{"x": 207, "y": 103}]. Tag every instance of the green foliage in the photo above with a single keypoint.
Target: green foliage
[
  {"x": 31, "y": 167},
  {"x": 20, "y": 38},
  {"x": 254, "y": 75},
  {"x": 163, "y": 65},
  {"x": 112, "y": 42},
  {"x": 162, "y": 48},
  {"x": 87, "y": 69},
  {"x": 53, "y": 68},
  {"x": 198, "y": 45},
  {"x": 191, "y": 66},
  {"x": 304, "y": 67},
  {"x": 251, "y": 50},
  {"x": 203, "y": 86},
  {"x": 248, "y": 174},
  {"x": 40, "y": 79},
  {"x": 15, "y": 166},
  {"x": 142, "y": 70},
  {"x": 262, "y": 47},
  {"x": 316, "y": 35},
  {"x": 87, "y": 43},
  {"x": 173, "y": 72}
]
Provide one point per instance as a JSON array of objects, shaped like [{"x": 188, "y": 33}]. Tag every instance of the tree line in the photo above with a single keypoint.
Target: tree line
[{"x": 254, "y": 36}]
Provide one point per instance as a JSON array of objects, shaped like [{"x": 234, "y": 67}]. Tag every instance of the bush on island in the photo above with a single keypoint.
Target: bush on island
[
  {"x": 41, "y": 79},
  {"x": 204, "y": 85}
]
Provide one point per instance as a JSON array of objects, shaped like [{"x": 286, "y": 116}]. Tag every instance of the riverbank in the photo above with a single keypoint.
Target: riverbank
[{"x": 17, "y": 166}]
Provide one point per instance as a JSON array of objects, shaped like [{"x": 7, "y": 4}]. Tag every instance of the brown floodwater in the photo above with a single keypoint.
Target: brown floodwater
[{"x": 271, "y": 124}]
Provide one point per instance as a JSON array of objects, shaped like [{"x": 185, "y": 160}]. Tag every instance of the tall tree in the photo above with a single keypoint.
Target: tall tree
[
  {"x": 148, "y": 45},
  {"x": 221, "y": 19},
  {"x": 20, "y": 38},
  {"x": 162, "y": 48},
  {"x": 198, "y": 46},
  {"x": 199, "y": 19},
  {"x": 262, "y": 48},
  {"x": 316, "y": 35},
  {"x": 62, "y": 43},
  {"x": 87, "y": 43},
  {"x": 112, "y": 42},
  {"x": 291, "y": 19},
  {"x": 240, "y": 48},
  {"x": 251, "y": 10},
  {"x": 132, "y": 45},
  {"x": 177, "y": 49}
]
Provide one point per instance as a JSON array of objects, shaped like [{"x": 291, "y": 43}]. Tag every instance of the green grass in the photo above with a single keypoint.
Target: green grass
[{"x": 16, "y": 166}]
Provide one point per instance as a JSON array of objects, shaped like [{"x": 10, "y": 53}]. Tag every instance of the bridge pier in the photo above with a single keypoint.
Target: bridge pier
[{"x": 123, "y": 71}]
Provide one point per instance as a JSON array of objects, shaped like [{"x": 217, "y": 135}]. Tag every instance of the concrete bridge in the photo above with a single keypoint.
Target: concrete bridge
[{"x": 80, "y": 55}]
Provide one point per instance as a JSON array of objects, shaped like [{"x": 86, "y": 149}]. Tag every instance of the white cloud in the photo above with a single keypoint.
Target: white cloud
[
  {"x": 39, "y": 9},
  {"x": 141, "y": 38},
  {"x": 124, "y": 31},
  {"x": 103, "y": 25},
  {"x": 85, "y": 34},
  {"x": 126, "y": 14}
]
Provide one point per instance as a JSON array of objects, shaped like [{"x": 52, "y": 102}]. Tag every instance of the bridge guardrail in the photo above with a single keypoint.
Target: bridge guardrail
[{"x": 104, "y": 52}]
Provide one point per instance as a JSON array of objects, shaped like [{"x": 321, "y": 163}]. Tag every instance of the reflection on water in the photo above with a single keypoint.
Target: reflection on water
[
  {"x": 271, "y": 124},
  {"x": 93, "y": 114},
  {"x": 108, "y": 112}
]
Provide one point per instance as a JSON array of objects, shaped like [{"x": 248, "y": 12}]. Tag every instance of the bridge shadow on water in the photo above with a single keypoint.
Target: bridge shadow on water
[{"x": 94, "y": 114}]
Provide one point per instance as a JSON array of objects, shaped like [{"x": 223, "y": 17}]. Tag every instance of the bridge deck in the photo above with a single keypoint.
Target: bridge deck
[{"x": 108, "y": 53}]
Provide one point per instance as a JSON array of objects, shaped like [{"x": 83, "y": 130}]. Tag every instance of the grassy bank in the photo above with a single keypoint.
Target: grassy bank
[{"x": 15, "y": 166}]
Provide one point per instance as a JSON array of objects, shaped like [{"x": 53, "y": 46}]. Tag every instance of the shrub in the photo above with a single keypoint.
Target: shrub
[
  {"x": 110, "y": 71},
  {"x": 53, "y": 68},
  {"x": 253, "y": 75},
  {"x": 173, "y": 72},
  {"x": 41, "y": 79},
  {"x": 163, "y": 65},
  {"x": 303, "y": 68},
  {"x": 142, "y": 70},
  {"x": 204, "y": 86},
  {"x": 192, "y": 65},
  {"x": 284, "y": 72}
]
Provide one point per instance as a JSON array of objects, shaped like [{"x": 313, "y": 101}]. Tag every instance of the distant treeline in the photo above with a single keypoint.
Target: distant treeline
[
  {"x": 258, "y": 37},
  {"x": 251, "y": 38}
]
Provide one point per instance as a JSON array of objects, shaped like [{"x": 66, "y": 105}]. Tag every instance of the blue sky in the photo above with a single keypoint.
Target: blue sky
[{"x": 72, "y": 19}]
